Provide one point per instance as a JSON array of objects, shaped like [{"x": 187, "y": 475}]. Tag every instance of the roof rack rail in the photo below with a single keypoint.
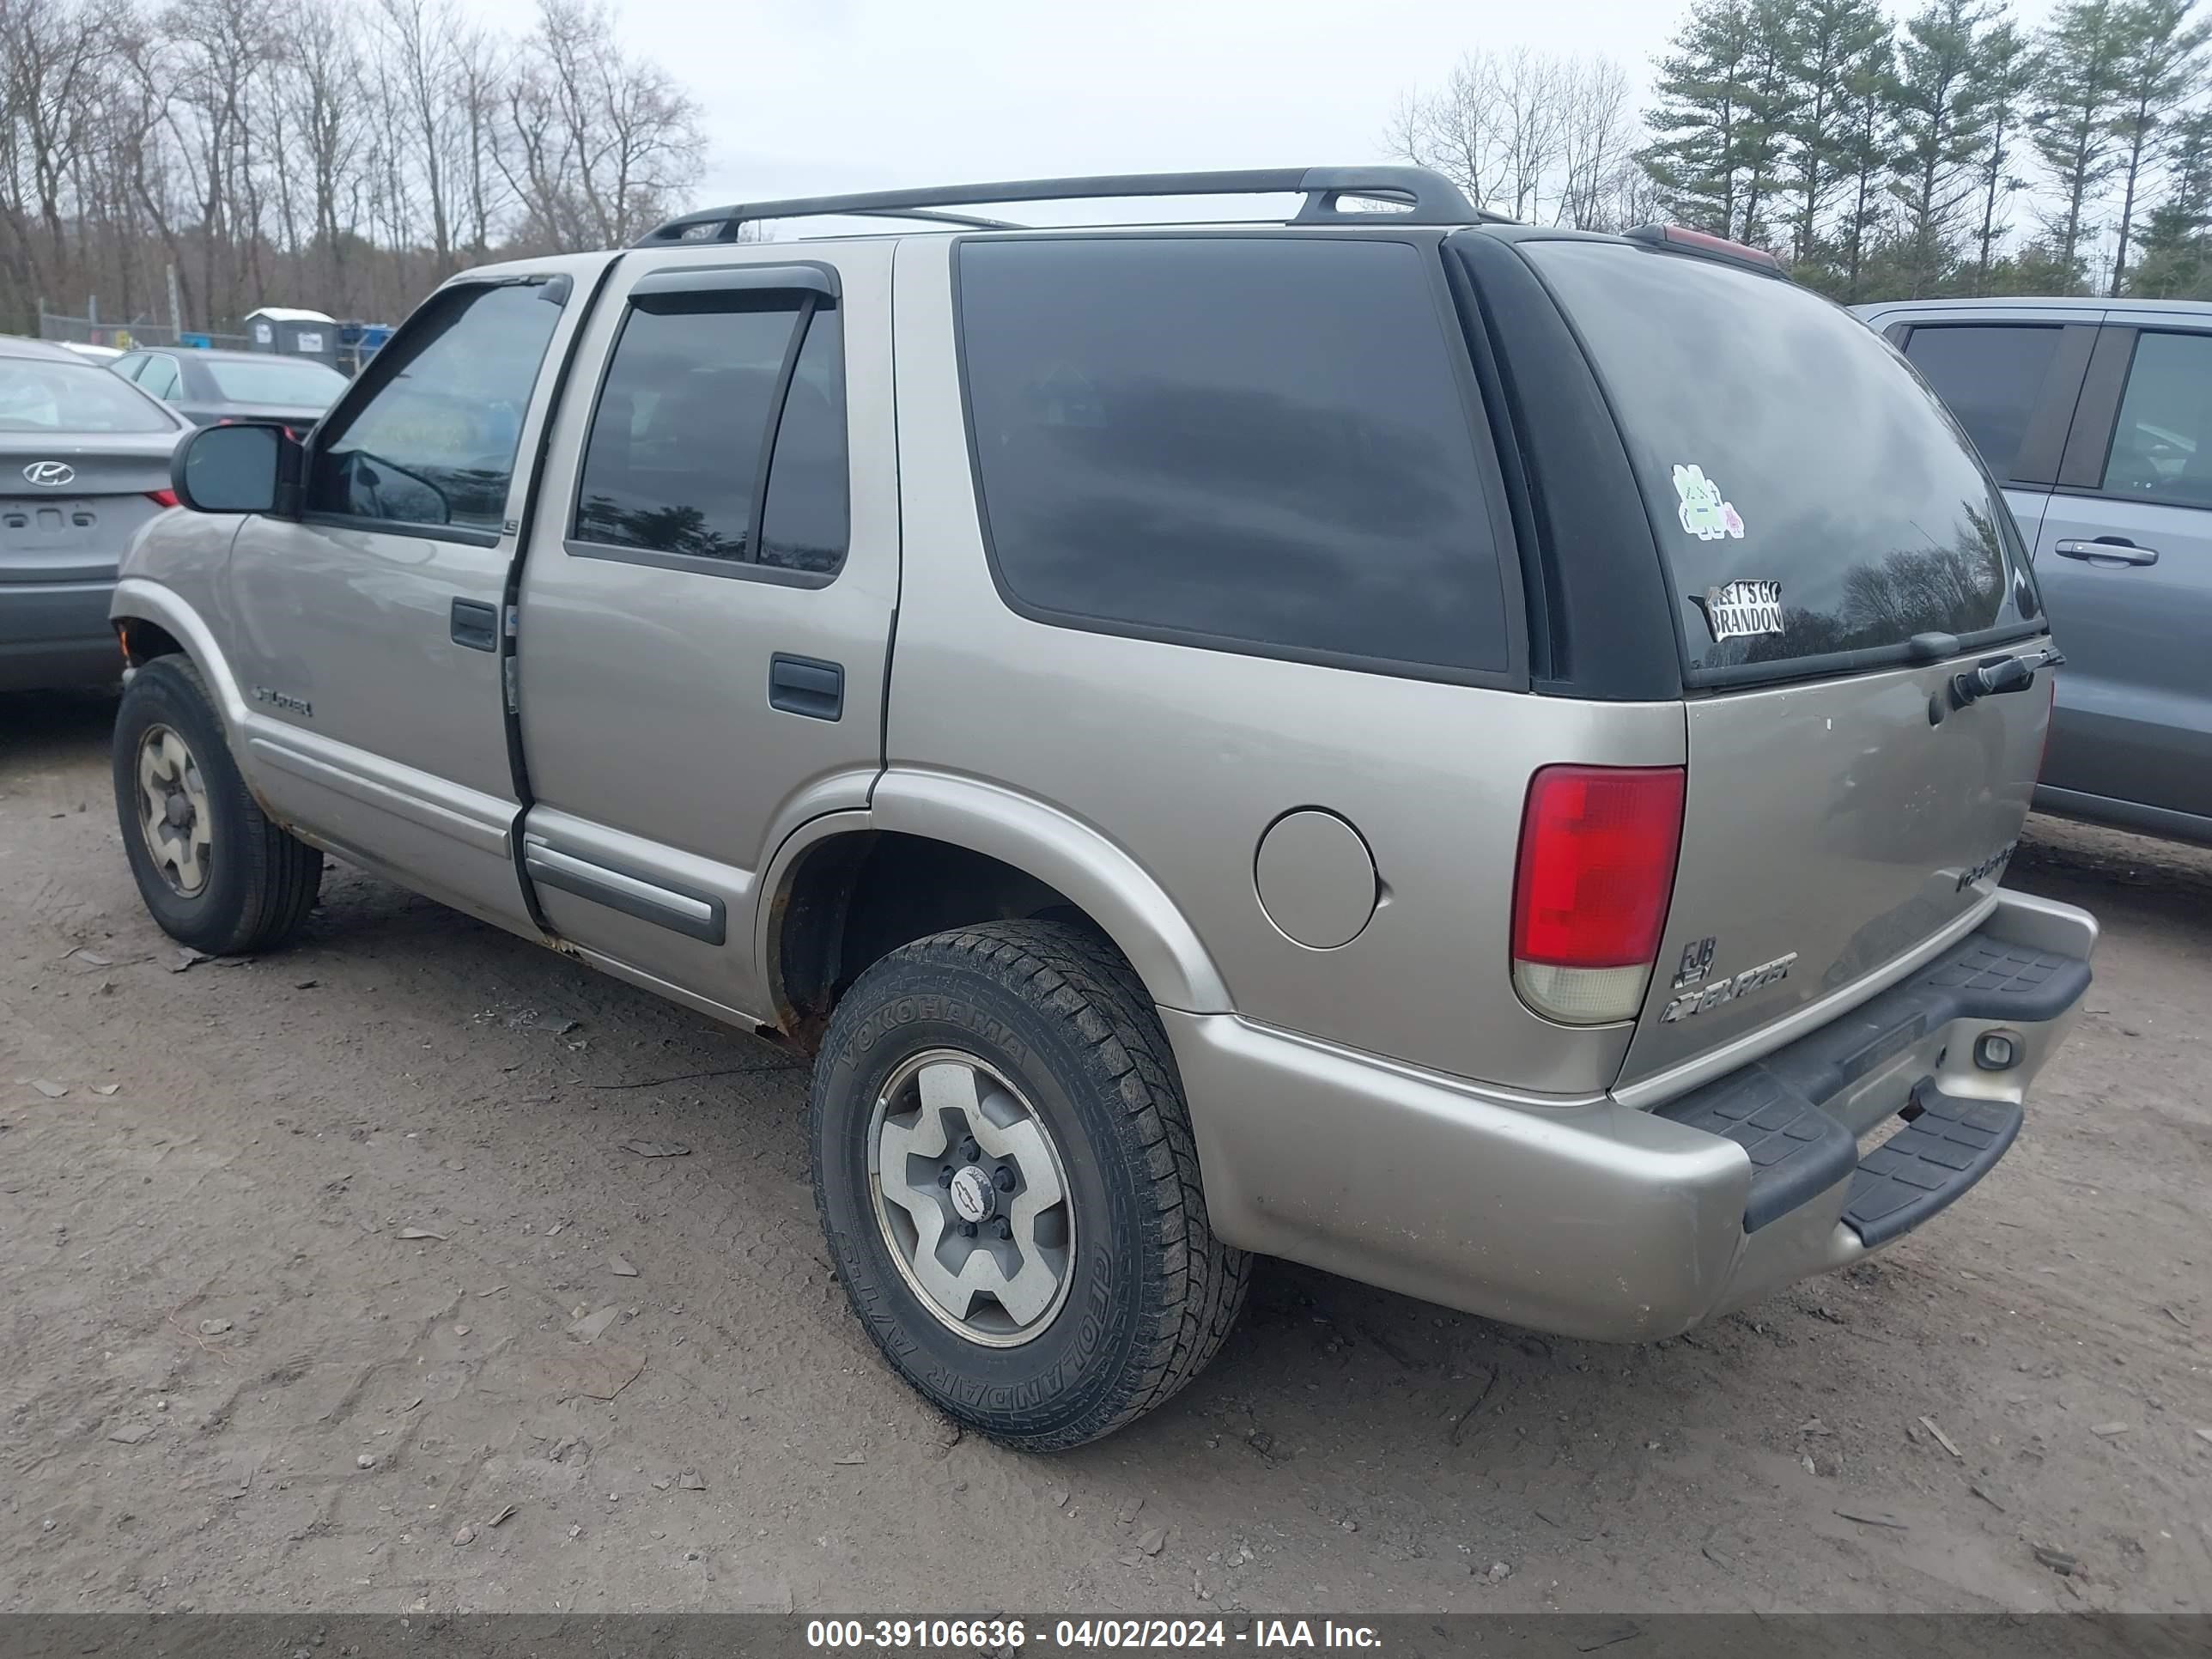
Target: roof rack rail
[{"x": 1421, "y": 195}]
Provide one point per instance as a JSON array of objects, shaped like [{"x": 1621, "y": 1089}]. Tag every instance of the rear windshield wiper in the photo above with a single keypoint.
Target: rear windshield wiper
[{"x": 1994, "y": 676}]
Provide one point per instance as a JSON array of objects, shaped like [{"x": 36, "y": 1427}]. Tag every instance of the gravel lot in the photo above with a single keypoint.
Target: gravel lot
[{"x": 289, "y": 1252}]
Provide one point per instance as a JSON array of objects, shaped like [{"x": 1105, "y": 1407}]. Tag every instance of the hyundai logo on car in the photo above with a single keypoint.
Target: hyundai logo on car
[{"x": 51, "y": 474}]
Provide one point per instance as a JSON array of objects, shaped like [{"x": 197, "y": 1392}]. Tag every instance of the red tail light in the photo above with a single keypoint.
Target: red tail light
[
  {"x": 162, "y": 497},
  {"x": 1598, "y": 846}
]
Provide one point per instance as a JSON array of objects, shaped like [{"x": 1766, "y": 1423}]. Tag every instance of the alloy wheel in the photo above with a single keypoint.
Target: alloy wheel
[{"x": 972, "y": 1198}]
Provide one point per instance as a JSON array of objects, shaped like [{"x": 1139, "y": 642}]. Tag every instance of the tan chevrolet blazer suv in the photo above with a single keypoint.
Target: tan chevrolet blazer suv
[{"x": 1475, "y": 757}]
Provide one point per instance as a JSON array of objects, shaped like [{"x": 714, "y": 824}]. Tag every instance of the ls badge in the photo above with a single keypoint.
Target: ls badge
[{"x": 1726, "y": 990}]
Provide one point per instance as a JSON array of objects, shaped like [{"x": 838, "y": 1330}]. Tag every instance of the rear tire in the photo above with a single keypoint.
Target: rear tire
[
  {"x": 214, "y": 873},
  {"x": 1069, "y": 1087}
]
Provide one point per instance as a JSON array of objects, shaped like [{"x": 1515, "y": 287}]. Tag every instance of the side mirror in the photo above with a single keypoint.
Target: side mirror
[{"x": 243, "y": 467}]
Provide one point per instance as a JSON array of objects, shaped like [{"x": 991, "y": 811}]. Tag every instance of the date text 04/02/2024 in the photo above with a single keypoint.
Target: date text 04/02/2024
[{"x": 1004, "y": 1635}]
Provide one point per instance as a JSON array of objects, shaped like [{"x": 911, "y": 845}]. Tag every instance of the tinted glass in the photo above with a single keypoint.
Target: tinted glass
[
  {"x": 300, "y": 385},
  {"x": 674, "y": 453},
  {"x": 1990, "y": 378},
  {"x": 43, "y": 396},
  {"x": 435, "y": 443},
  {"x": 1809, "y": 495},
  {"x": 804, "y": 527},
  {"x": 2162, "y": 446},
  {"x": 1245, "y": 439}
]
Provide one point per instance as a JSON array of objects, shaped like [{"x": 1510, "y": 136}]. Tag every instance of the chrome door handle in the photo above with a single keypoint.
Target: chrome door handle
[{"x": 2106, "y": 552}]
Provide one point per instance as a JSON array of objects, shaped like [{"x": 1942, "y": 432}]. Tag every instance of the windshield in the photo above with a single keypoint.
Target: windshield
[
  {"x": 1810, "y": 493},
  {"x": 301, "y": 385},
  {"x": 49, "y": 397}
]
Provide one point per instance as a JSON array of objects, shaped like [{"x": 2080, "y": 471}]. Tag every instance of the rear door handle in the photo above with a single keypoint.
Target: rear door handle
[
  {"x": 474, "y": 625},
  {"x": 807, "y": 686},
  {"x": 2102, "y": 551}
]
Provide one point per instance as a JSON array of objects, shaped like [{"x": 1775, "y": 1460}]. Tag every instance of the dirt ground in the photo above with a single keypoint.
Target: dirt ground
[{"x": 288, "y": 1275}]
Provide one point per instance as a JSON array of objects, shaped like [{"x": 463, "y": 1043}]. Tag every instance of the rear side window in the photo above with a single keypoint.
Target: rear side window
[
  {"x": 1815, "y": 504},
  {"x": 1990, "y": 377},
  {"x": 160, "y": 376},
  {"x": 1252, "y": 443},
  {"x": 2162, "y": 446},
  {"x": 720, "y": 434}
]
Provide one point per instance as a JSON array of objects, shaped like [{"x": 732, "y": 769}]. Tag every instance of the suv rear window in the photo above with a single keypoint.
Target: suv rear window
[
  {"x": 1816, "y": 505},
  {"x": 1252, "y": 443}
]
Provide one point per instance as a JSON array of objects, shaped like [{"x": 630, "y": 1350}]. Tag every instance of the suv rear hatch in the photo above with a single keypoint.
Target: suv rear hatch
[{"x": 1836, "y": 555}]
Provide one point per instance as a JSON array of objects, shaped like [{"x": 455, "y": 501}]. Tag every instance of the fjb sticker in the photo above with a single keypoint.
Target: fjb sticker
[
  {"x": 1703, "y": 513},
  {"x": 1742, "y": 609}
]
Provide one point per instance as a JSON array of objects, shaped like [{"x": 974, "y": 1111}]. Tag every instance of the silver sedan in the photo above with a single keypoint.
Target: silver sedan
[{"x": 84, "y": 461}]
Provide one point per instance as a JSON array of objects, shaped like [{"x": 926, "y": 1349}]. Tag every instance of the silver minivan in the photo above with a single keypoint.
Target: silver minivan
[
  {"x": 1473, "y": 756},
  {"x": 2096, "y": 417}
]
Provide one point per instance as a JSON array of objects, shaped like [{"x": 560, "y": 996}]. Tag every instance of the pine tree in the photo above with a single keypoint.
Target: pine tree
[
  {"x": 2005, "y": 65},
  {"x": 1942, "y": 113},
  {"x": 2160, "y": 65},
  {"x": 1832, "y": 39},
  {"x": 1696, "y": 160},
  {"x": 2077, "y": 97},
  {"x": 1772, "y": 95},
  {"x": 2177, "y": 261},
  {"x": 1867, "y": 120}
]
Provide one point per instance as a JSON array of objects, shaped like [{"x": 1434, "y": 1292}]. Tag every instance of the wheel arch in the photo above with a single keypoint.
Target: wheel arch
[
  {"x": 933, "y": 853},
  {"x": 153, "y": 621}
]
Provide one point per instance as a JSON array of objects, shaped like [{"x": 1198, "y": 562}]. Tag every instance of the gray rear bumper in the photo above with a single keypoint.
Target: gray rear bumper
[
  {"x": 1599, "y": 1221},
  {"x": 54, "y": 635}
]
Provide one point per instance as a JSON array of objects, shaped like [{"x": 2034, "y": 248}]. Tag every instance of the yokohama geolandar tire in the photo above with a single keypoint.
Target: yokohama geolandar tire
[
  {"x": 215, "y": 873},
  {"x": 1004, "y": 1167}
]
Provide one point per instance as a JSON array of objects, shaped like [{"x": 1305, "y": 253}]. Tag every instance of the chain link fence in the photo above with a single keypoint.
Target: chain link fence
[{"x": 98, "y": 330}]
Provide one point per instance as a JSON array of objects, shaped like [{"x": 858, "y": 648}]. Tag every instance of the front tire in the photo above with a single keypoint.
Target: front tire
[
  {"x": 214, "y": 873},
  {"x": 1005, "y": 1175}
]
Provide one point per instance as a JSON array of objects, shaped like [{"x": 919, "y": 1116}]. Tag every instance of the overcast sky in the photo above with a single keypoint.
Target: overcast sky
[{"x": 811, "y": 96}]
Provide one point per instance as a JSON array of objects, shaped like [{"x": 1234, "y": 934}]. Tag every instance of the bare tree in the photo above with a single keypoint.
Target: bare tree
[
  {"x": 52, "y": 58},
  {"x": 1535, "y": 135},
  {"x": 1597, "y": 143},
  {"x": 602, "y": 142},
  {"x": 416, "y": 38},
  {"x": 314, "y": 151}
]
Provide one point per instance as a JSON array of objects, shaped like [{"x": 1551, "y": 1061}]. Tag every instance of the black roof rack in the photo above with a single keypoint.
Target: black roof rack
[{"x": 1424, "y": 197}]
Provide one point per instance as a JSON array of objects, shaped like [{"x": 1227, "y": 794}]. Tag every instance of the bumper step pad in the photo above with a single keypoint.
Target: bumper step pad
[
  {"x": 1772, "y": 1108},
  {"x": 1797, "y": 1152},
  {"x": 1949, "y": 1147}
]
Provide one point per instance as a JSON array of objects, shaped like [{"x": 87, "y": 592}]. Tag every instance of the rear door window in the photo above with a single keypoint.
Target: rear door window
[
  {"x": 1248, "y": 443},
  {"x": 1815, "y": 504},
  {"x": 719, "y": 440},
  {"x": 2162, "y": 444},
  {"x": 1991, "y": 378}
]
